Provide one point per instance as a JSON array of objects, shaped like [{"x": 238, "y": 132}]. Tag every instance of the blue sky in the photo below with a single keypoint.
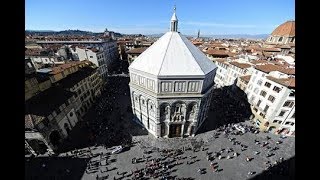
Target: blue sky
[{"x": 212, "y": 17}]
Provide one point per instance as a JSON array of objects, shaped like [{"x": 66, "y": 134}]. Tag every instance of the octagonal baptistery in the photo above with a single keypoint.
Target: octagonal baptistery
[{"x": 171, "y": 86}]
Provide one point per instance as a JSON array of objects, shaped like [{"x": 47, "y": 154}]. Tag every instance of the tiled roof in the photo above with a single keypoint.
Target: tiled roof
[
  {"x": 288, "y": 82},
  {"x": 267, "y": 68},
  {"x": 62, "y": 67},
  {"x": 272, "y": 67},
  {"x": 217, "y": 52},
  {"x": 47, "y": 101},
  {"x": 285, "y": 29},
  {"x": 240, "y": 65},
  {"x": 259, "y": 61},
  {"x": 289, "y": 71},
  {"x": 245, "y": 78},
  {"x": 76, "y": 77},
  {"x": 271, "y": 49},
  {"x": 137, "y": 50}
]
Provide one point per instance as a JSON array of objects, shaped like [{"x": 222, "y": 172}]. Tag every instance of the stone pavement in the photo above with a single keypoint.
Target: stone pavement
[{"x": 235, "y": 168}]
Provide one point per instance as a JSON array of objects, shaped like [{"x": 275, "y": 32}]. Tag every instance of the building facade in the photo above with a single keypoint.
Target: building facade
[
  {"x": 171, "y": 86},
  {"x": 272, "y": 101},
  {"x": 96, "y": 57}
]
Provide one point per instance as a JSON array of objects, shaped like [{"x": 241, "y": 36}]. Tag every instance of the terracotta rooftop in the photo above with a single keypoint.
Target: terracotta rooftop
[
  {"x": 137, "y": 50},
  {"x": 288, "y": 82},
  {"x": 271, "y": 49},
  {"x": 240, "y": 65},
  {"x": 62, "y": 67},
  {"x": 285, "y": 29},
  {"x": 289, "y": 71},
  {"x": 259, "y": 61},
  {"x": 217, "y": 52},
  {"x": 267, "y": 68},
  {"x": 245, "y": 78},
  {"x": 197, "y": 43},
  {"x": 272, "y": 67},
  {"x": 284, "y": 46}
]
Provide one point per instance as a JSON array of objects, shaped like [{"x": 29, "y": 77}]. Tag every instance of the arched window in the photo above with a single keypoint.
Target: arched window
[{"x": 280, "y": 39}]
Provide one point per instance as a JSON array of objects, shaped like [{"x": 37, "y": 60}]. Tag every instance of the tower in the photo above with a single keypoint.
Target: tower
[
  {"x": 174, "y": 21},
  {"x": 198, "y": 33}
]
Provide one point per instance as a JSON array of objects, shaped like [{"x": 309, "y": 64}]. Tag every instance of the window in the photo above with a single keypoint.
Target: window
[
  {"x": 266, "y": 108},
  {"x": 289, "y": 123},
  {"x": 256, "y": 72},
  {"x": 292, "y": 93},
  {"x": 263, "y": 93},
  {"x": 293, "y": 116},
  {"x": 71, "y": 114},
  {"x": 277, "y": 121},
  {"x": 91, "y": 56},
  {"x": 280, "y": 39},
  {"x": 288, "y": 104},
  {"x": 276, "y": 89},
  {"x": 259, "y": 82},
  {"x": 292, "y": 39},
  {"x": 270, "y": 39},
  {"x": 142, "y": 101},
  {"x": 252, "y": 98},
  {"x": 271, "y": 98},
  {"x": 267, "y": 84},
  {"x": 259, "y": 102},
  {"x": 254, "y": 78},
  {"x": 256, "y": 90},
  {"x": 282, "y": 113}
]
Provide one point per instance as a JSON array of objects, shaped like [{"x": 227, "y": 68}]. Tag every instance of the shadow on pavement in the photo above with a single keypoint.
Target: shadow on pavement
[
  {"x": 44, "y": 168},
  {"x": 282, "y": 171},
  {"x": 229, "y": 104}
]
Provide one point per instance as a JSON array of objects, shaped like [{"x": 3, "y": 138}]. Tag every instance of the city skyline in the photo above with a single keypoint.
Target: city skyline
[{"x": 152, "y": 17}]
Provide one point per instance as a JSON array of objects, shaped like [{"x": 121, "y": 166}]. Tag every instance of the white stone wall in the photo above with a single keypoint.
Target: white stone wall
[{"x": 253, "y": 91}]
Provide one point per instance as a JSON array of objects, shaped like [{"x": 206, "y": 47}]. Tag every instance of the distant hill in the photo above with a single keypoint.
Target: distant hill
[
  {"x": 227, "y": 36},
  {"x": 65, "y": 32}
]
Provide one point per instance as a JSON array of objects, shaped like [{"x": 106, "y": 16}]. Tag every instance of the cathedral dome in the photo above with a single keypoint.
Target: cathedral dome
[{"x": 285, "y": 29}]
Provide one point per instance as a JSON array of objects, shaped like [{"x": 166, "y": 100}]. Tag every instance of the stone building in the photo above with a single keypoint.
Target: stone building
[
  {"x": 283, "y": 34},
  {"x": 171, "y": 85}
]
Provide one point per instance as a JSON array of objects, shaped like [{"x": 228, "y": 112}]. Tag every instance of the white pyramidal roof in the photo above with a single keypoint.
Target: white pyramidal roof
[{"x": 173, "y": 55}]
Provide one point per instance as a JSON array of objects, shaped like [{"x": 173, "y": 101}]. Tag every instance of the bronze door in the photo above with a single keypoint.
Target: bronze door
[
  {"x": 175, "y": 130},
  {"x": 178, "y": 130}
]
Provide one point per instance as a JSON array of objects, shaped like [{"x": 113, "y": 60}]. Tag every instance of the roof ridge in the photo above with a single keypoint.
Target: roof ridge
[
  {"x": 165, "y": 53},
  {"x": 191, "y": 52}
]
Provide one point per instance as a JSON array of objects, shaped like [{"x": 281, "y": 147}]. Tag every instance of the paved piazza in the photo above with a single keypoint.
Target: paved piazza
[
  {"x": 185, "y": 165},
  {"x": 235, "y": 168}
]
